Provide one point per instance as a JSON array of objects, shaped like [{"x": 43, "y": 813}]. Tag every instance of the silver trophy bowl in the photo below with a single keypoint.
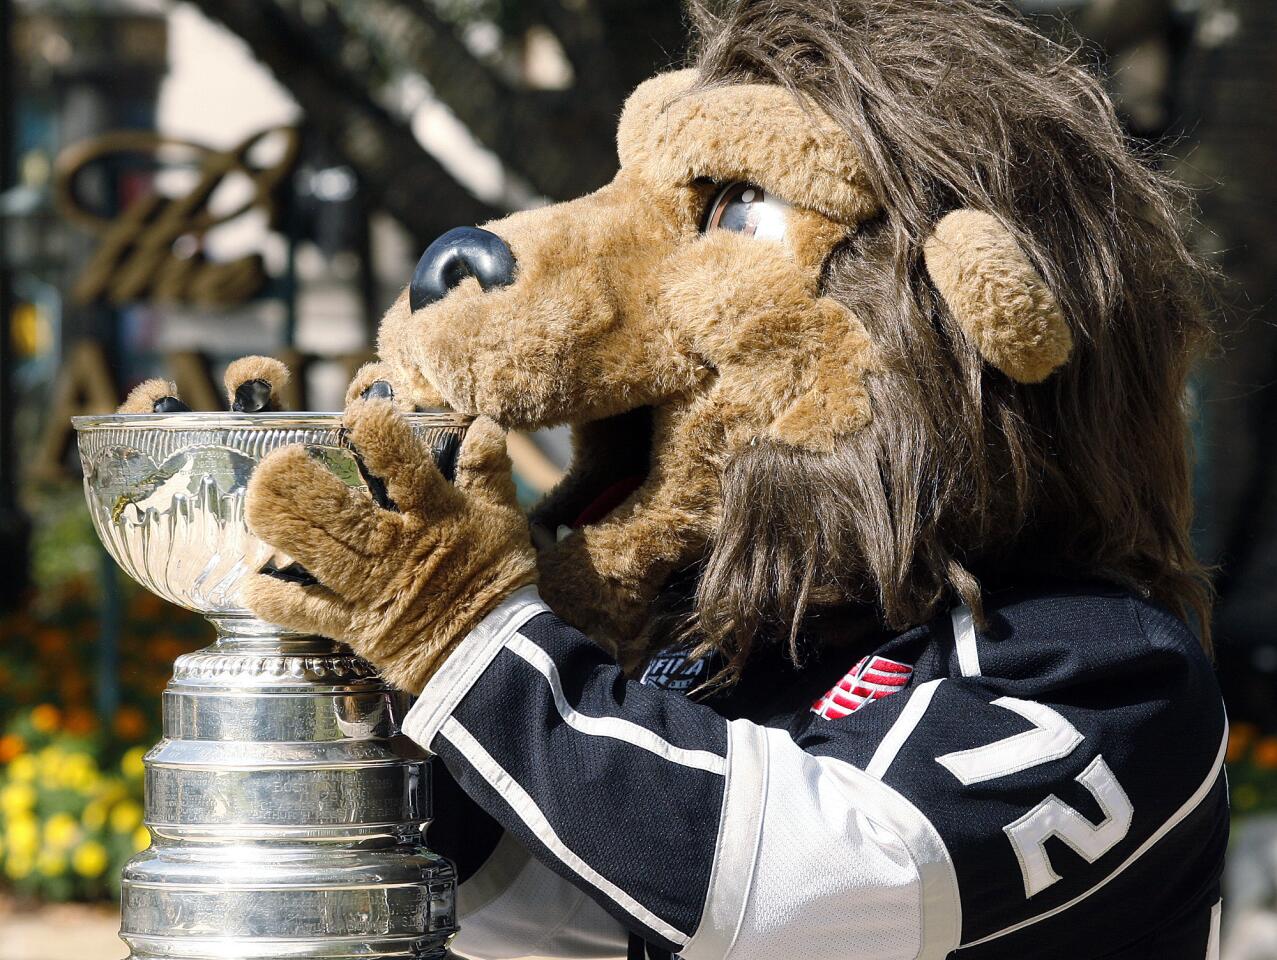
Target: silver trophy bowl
[{"x": 287, "y": 811}]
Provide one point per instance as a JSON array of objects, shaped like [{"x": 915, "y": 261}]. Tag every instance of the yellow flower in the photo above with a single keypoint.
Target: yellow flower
[
  {"x": 141, "y": 839},
  {"x": 52, "y": 863},
  {"x": 17, "y": 798},
  {"x": 51, "y": 761},
  {"x": 18, "y": 866},
  {"x": 132, "y": 765},
  {"x": 23, "y": 769},
  {"x": 23, "y": 832},
  {"x": 61, "y": 831},
  {"x": 94, "y": 816},
  {"x": 79, "y": 772},
  {"x": 126, "y": 817},
  {"x": 89, "y": 859}
]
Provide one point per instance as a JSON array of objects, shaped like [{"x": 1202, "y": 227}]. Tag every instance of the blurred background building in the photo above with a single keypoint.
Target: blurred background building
[{"x": 185, "y": 182}]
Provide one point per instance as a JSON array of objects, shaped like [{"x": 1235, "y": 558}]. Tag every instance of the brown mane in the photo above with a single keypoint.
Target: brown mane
[{"x": 966, "y": 479}]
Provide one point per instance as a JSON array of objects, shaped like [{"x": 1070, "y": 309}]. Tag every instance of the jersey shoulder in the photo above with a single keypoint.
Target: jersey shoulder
[
  {"x": 1084, "y": 633},
  {"x": 1076, "y": 738}
]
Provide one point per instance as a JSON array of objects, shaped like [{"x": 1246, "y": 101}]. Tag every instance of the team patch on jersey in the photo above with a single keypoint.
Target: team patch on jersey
[
  {"x": 674, "y": 670},
  {"x": 871, "y": 679}
]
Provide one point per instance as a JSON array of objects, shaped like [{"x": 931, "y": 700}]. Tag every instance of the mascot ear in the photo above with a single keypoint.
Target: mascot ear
[{"x": 999, "y": 300}]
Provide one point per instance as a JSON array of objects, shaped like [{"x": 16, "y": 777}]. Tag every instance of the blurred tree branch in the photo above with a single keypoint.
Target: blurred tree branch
[
  {"x": 614, "y": 45},
  {"x": 582, "y": 35},
  {"x": 1232, "y": 85},
  {"x": 554, "y": 138},
  {"x": 1117, "y": 24},
  {"x": 397, "y": 173},
  {"x": 338, "y": 58}
]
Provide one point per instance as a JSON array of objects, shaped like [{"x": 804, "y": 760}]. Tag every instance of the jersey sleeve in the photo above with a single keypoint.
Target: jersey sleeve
[
  {"x": 514, "y": 906},
  {"x": 508, "y": 904},
  {"x": 702, "y": 836}
]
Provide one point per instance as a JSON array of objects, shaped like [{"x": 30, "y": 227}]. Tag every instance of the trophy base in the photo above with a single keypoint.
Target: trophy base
[{"x": 287, "y": 812}]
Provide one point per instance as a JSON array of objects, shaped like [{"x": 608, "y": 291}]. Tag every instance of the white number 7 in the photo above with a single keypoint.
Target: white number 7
[{"x": 1052, "y": 738}]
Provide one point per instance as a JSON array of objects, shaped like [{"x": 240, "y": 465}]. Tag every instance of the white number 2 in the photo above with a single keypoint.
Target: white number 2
[{"x": 1052, "y": 738}]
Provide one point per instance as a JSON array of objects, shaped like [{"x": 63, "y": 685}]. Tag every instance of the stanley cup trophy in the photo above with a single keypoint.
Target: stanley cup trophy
[{"x": 287, "y": 811}]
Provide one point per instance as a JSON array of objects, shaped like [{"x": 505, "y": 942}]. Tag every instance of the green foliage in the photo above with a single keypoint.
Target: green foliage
[
  {"x": 64, "y": 547},
  {"x": 1252, "y": 770}
]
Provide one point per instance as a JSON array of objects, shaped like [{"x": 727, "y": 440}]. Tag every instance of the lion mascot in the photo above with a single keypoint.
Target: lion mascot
[{"x": 865, "y": 623}]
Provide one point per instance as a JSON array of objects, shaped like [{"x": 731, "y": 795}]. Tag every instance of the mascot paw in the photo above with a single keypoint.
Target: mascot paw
[
  {"x": 403, "y": 581},
  {"x": 379, "y": 381},
  {"x": 154, "y": 396}
]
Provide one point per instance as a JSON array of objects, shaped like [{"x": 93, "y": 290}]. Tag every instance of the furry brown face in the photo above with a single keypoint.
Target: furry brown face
[{"x": 670, "y": 338}]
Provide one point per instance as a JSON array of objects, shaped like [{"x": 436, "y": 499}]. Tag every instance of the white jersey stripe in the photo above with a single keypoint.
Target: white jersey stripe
[
  {"x": 468, "y": 661},
  {"x": 1191, "y": 804},
  {"x": 525, "y": 809},
  {"x": 964, "y": 639},
  {"x": 614, "y": 727},
  {"x": 1212, "y": 944},
  {"x": 901, "y": 729}
]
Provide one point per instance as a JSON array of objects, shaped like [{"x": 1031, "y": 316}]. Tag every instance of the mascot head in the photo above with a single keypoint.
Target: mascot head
[{"x": 880, "y": 311}]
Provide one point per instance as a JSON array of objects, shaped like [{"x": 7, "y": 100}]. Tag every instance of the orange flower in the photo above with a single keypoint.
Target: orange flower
[
  {"x": 1265, "y": 754},
  {"x": 147, "y": 606},
  {"x": 166, "y": 649},
  {"x": 1243, "y": 731},
  {"x": 80, "y": 721},
  {"x": 51, "y": 642},
  {"x": 1240, "y": 737},
  {"x": 130, "y": 723},
  {"x": 45, "y": 718},
  {"x": 73, "y": 688},
  {"x": 10, "y": 746}
]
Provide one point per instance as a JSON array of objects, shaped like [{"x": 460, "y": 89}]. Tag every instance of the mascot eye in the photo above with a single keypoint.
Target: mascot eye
[{"x": 745, "y": 208}]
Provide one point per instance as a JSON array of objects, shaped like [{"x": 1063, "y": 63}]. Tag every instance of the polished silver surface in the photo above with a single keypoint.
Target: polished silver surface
[{"x": 287, "y": 810}]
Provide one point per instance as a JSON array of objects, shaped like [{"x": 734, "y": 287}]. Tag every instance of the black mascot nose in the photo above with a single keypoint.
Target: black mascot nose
[{"x": 460, "y": 253}]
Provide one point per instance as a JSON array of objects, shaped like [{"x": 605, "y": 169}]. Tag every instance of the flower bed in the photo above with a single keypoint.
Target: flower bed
[{"x": 71, "y": 779}]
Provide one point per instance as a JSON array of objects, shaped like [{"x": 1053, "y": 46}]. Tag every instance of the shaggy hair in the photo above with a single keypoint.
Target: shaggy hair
[{"x": 966, "y": 479}]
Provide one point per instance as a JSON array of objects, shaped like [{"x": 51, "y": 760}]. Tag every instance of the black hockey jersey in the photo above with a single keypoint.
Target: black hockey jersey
[{"x": 1049, "y": 787}]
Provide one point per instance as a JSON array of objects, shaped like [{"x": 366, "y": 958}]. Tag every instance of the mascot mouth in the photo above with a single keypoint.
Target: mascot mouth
[{"x": 611, "y": 460}]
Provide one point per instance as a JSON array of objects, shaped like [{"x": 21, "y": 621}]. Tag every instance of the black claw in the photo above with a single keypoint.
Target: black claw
[
  {"x": 446, "y": 456},
  {"x": 251, "y": 396},
  {"x": 170, "y": 405},
  {"x": 293, "y": 573},
  {"x": 379, "y": 390},
  {"x": 376, "y": 486}
]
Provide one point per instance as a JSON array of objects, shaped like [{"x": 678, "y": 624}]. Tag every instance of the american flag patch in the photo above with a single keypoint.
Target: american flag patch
[{"x": 871, "y": 679}]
